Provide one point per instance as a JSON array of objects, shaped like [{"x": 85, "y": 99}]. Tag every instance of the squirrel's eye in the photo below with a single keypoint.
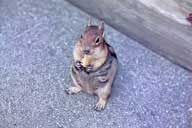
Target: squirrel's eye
[
  {"x": 97, "y": 41},
  {"x": 81, "y": 36}
]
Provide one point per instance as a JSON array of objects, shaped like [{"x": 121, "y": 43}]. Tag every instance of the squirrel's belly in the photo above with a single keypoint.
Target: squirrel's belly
[
  {"x": 86, "y": 81},
  {"x": 89, "y": 84}
]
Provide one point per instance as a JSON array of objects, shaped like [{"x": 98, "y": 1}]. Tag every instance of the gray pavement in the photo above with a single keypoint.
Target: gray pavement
[{"x": 36, "y": 42}]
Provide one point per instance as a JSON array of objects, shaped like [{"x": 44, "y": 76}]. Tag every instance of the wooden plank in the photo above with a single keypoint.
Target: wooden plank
[{"x": 152, "y": 29}]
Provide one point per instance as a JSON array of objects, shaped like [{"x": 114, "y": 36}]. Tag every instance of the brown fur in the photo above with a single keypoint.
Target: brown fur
[
  {"x": 98, "y": 52},
  {"x": 104, "y": 66},
  {"x": 98, "y": 55}
]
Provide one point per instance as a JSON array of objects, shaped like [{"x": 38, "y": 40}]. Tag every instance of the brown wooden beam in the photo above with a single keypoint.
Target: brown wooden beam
[{"x": 150, "y": 28}]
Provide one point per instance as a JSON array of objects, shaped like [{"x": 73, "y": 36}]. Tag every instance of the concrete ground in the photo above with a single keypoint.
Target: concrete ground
[{"x": 36, "y": 42}]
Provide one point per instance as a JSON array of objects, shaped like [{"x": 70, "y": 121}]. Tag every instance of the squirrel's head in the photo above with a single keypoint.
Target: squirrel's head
[{"x": 93, "y": 38}]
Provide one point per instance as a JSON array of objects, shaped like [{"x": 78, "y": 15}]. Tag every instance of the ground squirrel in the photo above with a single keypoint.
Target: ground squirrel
[{"x": 94, "y": 65}]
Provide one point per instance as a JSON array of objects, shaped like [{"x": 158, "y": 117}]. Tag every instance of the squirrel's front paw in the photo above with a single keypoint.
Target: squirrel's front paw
[
  {"x": 78, "y": 65},
  {"x": 89, "y": 68}
]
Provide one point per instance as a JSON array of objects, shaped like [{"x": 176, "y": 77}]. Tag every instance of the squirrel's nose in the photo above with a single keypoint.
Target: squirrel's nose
[{"x": 86, "y": 51}]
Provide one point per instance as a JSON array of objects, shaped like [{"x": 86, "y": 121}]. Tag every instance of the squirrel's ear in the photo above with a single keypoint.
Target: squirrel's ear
[
  {"x": 89, "y": 21},
  {"x": 101, "y": 25}
]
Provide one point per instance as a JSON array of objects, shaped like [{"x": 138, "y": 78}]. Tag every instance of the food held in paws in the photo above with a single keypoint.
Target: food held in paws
[{"x": 86, "y": 60}]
